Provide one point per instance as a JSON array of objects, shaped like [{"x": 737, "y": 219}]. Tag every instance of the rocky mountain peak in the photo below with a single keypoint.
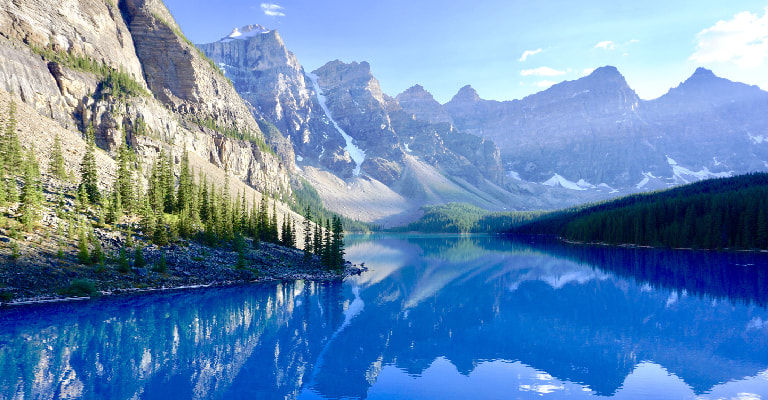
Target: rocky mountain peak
[
  {"x": 466, "y": 94},
  {"x": 245, "y": 32},
  {"x": 419, "y": 102},
  {"x": 704, "y": 89}
]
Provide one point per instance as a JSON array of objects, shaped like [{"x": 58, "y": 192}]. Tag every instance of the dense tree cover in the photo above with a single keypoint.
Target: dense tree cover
[
  {"x": 464, "y": 218},
  {"x": 170, "y": 206},
  {"x": 713, "y": 214}
]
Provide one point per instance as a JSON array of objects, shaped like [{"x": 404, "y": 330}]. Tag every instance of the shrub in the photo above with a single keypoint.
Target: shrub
[{"x": 80, "y": 288}]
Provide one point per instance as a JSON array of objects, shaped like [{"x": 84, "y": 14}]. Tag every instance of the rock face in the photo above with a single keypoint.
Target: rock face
[
  {"x": 337, "y": 118},
  {"x": 271, "y": 80},
  {"x": 188, "y": 103},
  {"x": 422, "y": 105},
  {"x": 595, "y": 132}
]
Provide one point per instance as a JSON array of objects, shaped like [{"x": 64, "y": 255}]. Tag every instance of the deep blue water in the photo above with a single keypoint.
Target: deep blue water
[{"x": 435, "y": 317}]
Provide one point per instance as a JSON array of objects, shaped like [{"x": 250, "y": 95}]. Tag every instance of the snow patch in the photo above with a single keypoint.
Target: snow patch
[
  {"x": 580, "y": 93},
  {"x": 299, "y": 158},
  {"x": 758, "y": 139},
  {"x": 357, "y": 154},
  {"x": 686, "y": 175},
  {"x": 606, "y": 186},
  {"x": 558, "y": 180},
  {"x": 408, "y": 149},
  {"x": 514, "y": 175},
  {"x": 245, "y": 33},
  {"x": 647, "y": 176}
]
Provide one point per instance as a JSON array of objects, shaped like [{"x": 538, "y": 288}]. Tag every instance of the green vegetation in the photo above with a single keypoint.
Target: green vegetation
[
  {"x": 721, "y": 213},
  {"x": 80, "y": 288},
  {"x": 119, "y": 83},
  {"x": 236, "y": 133},
  {"x": 464, "y": 218}
]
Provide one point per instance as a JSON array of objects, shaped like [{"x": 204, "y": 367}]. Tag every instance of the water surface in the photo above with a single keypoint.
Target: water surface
[{"x": 435, "y": 317}]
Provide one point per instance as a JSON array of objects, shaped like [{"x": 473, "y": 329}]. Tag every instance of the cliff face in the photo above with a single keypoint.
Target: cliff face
[
  {"x": 338, "y": 119},
  {"x": 56, "y": 60},
  {"x": 271, "y": 80}
]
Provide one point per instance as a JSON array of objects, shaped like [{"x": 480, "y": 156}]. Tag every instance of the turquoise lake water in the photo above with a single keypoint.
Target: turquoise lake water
[{"x": 436, "y": 317}]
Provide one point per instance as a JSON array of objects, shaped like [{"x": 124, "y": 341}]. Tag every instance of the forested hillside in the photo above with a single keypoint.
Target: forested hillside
[
  {"x": 465, "y": 218},
  {"x": 713, "y": 214}
]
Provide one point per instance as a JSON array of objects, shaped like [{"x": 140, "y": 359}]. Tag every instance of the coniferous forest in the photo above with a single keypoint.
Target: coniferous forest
[
  {"x": 725, "y": 213},
  {"x": 172, "y": 205}
]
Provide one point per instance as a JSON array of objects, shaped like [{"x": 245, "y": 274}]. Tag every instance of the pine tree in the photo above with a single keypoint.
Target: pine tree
[
  {"x": 138, "y": 258},
  {"x": 337, "y": 249},
  {"x": 12, "y": 154},
  {"x": 57, "y": 165},
  {"x": 148, "y": 219},
  {"x": 83, "y": 256},
  {"x": 122, "y": 261},
  {"x": 160, "y": 236},
  {"x": 89, "y": 178},
  {"x": 97, "y": 256},
  {"x": 185, "y": 191},
  {"x": 307, "y": 233},
  {"x": 124, "y": 183},
  {"x": 160, "y": 266},
  {"x": 31, "y": 192}
]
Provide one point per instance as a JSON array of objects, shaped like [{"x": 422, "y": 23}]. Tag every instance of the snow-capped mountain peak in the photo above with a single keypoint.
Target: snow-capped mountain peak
[{"x": 245, "y": 32}]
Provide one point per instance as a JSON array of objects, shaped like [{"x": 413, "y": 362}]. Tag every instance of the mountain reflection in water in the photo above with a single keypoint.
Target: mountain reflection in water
[{"x": 435, "y": 317}]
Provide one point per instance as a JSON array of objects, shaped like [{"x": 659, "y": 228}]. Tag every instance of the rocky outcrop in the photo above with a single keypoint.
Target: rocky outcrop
[
  {"x": 270, "y": 78},
  {"x": 178, "y": 74},
  {"x": 422, "y": 105}
]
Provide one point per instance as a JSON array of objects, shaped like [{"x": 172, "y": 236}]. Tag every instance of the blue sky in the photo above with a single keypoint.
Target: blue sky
[{"x": 505, "y": 49}]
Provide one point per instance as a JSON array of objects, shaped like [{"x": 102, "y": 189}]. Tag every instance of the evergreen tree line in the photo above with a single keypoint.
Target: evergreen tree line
[
  {"x": 172, "y": 207},
  {"x": 464, "y": 218},
  {"x": 715, "y": 214},
  {"x": 18, "y": 166}
]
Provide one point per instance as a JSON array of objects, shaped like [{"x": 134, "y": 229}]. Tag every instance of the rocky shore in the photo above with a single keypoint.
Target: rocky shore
[{"x": 30, "y": 275}]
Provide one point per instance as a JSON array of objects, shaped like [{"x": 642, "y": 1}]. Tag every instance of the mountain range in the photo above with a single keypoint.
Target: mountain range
[
  {"x": 245, "y": 105},
  {"x": 377, "y": 157}
]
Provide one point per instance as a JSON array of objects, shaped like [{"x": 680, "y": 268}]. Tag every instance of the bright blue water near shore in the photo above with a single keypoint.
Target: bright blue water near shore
[{"x": 435, "y": 317}]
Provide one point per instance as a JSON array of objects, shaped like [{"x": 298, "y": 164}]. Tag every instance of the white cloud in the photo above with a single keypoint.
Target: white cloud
[
  {"x": 529, "y": 53},
  {"x": 541, "y": 71},
  {"x": 272, "y": 10},
  {"x": 606, "y": 44},
  {"x": 545, "y": 84},
  {"x": 742, "y": 39}
]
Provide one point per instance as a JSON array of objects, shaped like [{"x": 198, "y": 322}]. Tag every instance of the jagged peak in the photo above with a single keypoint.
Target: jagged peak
[
  {"x": 416, "y": 91},
  {"x": 701, "y": 71},
  {"x": 245, "y": 32},
  {"x": 466, "y": 93}
]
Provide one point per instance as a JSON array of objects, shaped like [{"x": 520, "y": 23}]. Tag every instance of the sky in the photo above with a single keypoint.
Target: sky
[{"x": 505, "y": 49}]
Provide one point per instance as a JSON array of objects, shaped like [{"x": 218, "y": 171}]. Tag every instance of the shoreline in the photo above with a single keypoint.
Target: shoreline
[
  {"x": 350, "y": 270},
  {"x": 43, "y": 279}
]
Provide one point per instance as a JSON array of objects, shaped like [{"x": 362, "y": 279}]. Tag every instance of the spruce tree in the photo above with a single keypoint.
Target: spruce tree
[
  {"x": 57, "y": 165},
  {"x": 122, "y": 261},
  {"x": 307, "y": 233},
  {"x": 89, "y": 178},
  {"x": 337, "y": 249},
  {"x": 83, "y": 256},
  {"x": 138, "y": 259},
  {"x": 30, "y": 193}
]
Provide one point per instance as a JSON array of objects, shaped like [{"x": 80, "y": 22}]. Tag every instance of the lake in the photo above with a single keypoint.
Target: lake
[{"x": 436, "y": 316}]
